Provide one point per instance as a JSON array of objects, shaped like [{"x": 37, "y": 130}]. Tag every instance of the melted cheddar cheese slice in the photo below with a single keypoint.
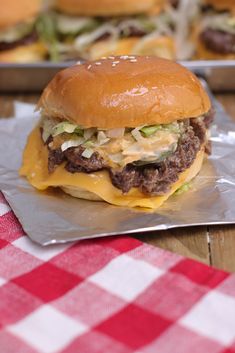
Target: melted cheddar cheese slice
[{"x": 34, "y": 167}]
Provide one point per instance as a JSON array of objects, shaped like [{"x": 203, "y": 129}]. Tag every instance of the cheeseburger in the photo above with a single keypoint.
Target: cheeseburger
[
  {"x": 19, "y": 41},
  {"x": 91, "y": 29},
  {"x": 216, "y": 38},
  {"x": 128, "y": 130}
]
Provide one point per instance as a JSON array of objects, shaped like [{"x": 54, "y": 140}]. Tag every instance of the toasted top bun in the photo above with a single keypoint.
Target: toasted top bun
[
  {"x": 107, "y": 7},
  {"x": 16, "y": 11},
  {"x": 124, "y": 91},
  {"x": 221, "y": 4}
]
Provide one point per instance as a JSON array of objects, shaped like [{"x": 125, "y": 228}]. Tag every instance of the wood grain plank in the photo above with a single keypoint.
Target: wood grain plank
[{"x": 222, "y": 246}]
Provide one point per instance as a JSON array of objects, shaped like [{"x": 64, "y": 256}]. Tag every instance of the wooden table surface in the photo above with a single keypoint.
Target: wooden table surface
[{"x": 213, "y": 245}]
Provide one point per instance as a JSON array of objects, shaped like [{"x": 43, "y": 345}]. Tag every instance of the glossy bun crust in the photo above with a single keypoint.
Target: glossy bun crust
[
  {"x": 16, "y": 11},
  {"x": 221, "y": 4},
  {"x": 124, "y": 92},
  {"x": 107, "y": 7}
]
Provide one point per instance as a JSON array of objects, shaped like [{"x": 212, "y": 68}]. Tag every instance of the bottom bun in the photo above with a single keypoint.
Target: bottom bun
[
  {"x": 162, "y": 47},
  {"x": 81, "y": 193},
  {"x": 24, "y": 54}
]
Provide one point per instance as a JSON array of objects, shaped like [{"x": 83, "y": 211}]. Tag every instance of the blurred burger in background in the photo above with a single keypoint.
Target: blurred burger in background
[
  {"x": 184, "y": 15},
  {"x": 216, "y": 35},
  {"x": 92, "y": 29},
  {"x": 19, "y": 40}
]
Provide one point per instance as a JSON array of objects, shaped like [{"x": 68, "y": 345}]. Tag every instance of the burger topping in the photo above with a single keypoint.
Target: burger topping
[
  {"x": 72, "y": 25},
  {"x": 156, "y": 179},
  {"x": 219, "y": 33},
  {"x": 29, "y": 39},
  {"x": 118, "y": 147},
  {"x": 14, "y": 33},
  {"x": 21, "y": 34},
  {"x": 218, "y": 41},
  {"x": 152, "y": 173},
  {"x": 77, "y": 34},
  {"x": 222, "y": 22}
]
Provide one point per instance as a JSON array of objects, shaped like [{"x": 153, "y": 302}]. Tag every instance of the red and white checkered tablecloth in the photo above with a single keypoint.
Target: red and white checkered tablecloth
[{"x": 114, "y": 295}]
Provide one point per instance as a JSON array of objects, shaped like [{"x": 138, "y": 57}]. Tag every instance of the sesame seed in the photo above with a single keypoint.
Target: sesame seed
[
  {"x": 116, "y": 62},
  {"x": 98, "y": 63},
  {"x": 104, "y": 57},
  {"x": 88, "y": 67},
  {"x": 133, "y": 60},
  {"x": 124, "y": 57},
  {"x": 113, "y": 65},
  {"x": 111, "y": 57},
  {"x": 132, "y": 57},
  {"x": 78, "y": 63}
]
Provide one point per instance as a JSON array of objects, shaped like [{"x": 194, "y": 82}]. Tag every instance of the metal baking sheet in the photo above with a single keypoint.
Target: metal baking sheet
[
  {"x": 53, "y": 217},
  {"x": 219, "y": 74}
]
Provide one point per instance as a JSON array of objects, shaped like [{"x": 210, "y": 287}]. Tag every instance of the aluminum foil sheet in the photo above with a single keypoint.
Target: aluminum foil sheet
[{"x": 53, "y": 217}]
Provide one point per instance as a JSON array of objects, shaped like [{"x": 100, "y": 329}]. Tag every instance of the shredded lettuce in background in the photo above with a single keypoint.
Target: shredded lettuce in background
[
  {"x": 72, "y": 25},
  {"x": 16, "y": 32},
  {"x": 46, "y": 29},
  {"x": 223, "y": 22}
]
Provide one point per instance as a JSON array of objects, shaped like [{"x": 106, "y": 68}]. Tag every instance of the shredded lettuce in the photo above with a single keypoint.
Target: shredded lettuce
[
  {"x": 88, "y": 144},
  {"x": 150, "y": 130},
  {"x": 184, "y": 188},
  {"x": 87, "y": 153},
  {"x": 140, "y": 145},
  {"x": 72, "y": 143},
  {"x": 160, "y": 156},
  {"x": 66, "y": 127}
]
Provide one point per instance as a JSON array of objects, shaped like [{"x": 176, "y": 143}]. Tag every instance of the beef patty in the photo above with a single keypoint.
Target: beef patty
[
  {"x": 29, "y": 39},
  {"x": 151, "y": 179},
  {"x": 218, "y": 41}
]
